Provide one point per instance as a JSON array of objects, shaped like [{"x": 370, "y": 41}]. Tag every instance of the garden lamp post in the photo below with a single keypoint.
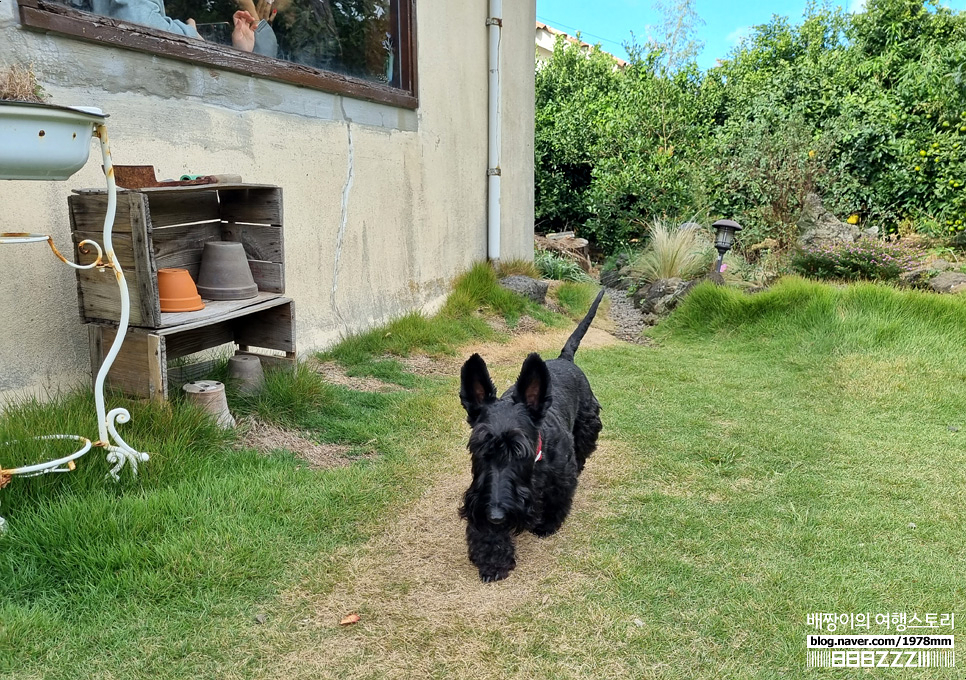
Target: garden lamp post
[{"x": 724, "y": 238}]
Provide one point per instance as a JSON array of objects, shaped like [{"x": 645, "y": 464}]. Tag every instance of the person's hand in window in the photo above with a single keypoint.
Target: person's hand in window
[{"x": 243, "y": 37}]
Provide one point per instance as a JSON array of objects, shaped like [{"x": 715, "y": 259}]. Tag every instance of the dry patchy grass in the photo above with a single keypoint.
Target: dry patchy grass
[
  {"x": 335, "y": 374},
  {"x": 268, "y": 437}
]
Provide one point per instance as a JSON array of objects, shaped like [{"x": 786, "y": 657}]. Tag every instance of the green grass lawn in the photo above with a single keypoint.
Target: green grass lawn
[{"x": 766, "y": 458}]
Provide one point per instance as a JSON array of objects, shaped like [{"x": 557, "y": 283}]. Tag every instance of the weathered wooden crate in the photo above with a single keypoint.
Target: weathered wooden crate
[
  {"x": 168, "y": 227},
  {"x": 141, "y": 367}
]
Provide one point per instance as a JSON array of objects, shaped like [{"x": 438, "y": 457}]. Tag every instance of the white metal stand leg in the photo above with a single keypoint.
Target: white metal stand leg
[{"x": 119, "y": 451}]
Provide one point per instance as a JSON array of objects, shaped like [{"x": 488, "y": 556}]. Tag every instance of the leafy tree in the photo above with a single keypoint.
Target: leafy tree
[
  {"x": 868, "y": 110},
  {"x": 576, "y": 91}
]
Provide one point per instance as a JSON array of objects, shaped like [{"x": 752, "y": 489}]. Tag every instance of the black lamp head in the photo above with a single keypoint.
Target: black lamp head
[{"x": 725, "y": 231}]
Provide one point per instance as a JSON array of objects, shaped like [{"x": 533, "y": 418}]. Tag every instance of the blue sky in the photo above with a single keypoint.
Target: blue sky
[{"x": 610, "y": 22}]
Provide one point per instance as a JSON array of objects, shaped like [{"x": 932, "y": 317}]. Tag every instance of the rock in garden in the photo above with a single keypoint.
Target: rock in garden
[
  {"x": 662, "y": 296},
  {"x": 819, "y": 227},
  {"x": 920, "y": 275},
  {"x": 534, "y": 289},
  {"x": 948, "y": 282},
  {"x": 619, "y": 276}
]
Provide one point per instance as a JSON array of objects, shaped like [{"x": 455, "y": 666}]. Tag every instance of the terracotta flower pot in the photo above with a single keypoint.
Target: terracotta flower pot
[
  {"x": 177, "y": 291},
  {"x": 225, "y": 273}
]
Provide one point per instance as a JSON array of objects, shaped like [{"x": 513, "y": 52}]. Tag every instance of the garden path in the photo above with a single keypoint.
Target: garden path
[{"x": 421, "y": 603}]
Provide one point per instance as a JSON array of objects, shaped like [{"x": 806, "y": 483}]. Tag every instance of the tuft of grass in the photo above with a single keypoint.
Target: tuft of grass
[
  {"x": 19, "y": 83},
  {"x": 414, "y": 332},
  {"x": 288, "y": 398},
  {"x": 386, "y": 370},
  {"x": 517, "y": 267},
  {"x": 673, "y": 252},
  {"x": 576, "y": 298},
  {"x": 554, "y": 266}
]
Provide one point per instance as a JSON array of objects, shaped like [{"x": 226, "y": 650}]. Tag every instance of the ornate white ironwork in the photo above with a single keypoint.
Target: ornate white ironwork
[{"x": 119, "y": 451}]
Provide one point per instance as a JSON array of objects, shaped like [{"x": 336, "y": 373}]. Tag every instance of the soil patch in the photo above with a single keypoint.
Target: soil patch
[
  {"x": 268, "y": 437},
  {"x": 335, "y": 374}
]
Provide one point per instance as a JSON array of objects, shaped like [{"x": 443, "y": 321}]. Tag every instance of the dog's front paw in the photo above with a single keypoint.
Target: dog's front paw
[
  {"x": 544, "y": 531},
  {"x": 491, "y": 575}
]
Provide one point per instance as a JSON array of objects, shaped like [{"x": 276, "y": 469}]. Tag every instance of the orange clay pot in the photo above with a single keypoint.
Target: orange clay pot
[{"x": 177, "y": 291}]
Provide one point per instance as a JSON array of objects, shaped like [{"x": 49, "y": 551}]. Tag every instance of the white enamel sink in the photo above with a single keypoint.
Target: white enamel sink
[{"x": 41, "y": 141}]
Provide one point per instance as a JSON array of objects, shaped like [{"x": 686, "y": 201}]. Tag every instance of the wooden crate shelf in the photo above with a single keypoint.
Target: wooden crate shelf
[
  {"x": 168, "y": 227},
  {"x": 141, "y": 368}
]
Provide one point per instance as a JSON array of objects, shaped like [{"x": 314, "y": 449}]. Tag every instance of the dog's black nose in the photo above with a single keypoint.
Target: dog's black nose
[{"x": 495, "y": 515}]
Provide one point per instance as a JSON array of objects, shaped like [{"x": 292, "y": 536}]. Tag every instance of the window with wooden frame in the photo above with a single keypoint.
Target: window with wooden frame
[{"x": 360, "y": 48}]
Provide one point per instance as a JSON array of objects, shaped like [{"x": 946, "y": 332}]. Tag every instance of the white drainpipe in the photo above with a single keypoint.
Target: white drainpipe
[{"x": 495, "y": 24}]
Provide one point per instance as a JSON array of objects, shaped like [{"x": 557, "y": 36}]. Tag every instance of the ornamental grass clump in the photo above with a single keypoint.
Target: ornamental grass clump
[
  {"x": 673, "y": 251},
  {"x": 866, "y": 260}
]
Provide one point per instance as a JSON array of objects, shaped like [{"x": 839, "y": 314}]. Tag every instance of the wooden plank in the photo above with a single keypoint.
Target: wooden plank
[
  {"x": 102, "y": 299},
  {"x": 158, "y": 366},
  {"x": 167, "y": 241},
  {"x": 218, "y": 310},
  {"x": 261, "y": 242},
  {"x": 200, "y": 338},
  {"x": 251, "y": 205},
  {"x": 272, "y": 329},
  {"x": 88, "y": 211},
  {"x": 168, "y": 208},
  {"x": 190, "y": 188},
  {"x": 269, "y": 276},
  {"x": 123, "y": 250},
  {"x": 95, "y": 336},
  {"x": 182, "y": 246},
  {"x": 80, "y": 289},
  {"x": 189, "y": 258},
  {"x": 145, "y": 279},
  {"x": 139, "y": 369}
]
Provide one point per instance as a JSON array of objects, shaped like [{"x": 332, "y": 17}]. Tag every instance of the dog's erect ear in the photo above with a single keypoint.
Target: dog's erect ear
[
  {"x": 533, "y": 386},
  {"x": 476, "y": 388}
]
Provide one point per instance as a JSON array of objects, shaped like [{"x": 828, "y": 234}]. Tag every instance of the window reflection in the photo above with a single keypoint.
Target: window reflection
[{"x": 358, "y": 38}]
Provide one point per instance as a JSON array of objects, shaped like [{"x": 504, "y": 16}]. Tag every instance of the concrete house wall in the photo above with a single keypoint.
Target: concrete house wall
[{"x": 403, "y": 192}]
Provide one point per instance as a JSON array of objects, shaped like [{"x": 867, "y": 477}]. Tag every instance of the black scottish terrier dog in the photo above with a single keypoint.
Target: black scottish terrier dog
[{"x": 528, "y": 448}]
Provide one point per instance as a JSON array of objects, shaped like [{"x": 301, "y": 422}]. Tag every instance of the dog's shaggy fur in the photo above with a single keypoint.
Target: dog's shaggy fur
[{"x": 528, "y": 447}]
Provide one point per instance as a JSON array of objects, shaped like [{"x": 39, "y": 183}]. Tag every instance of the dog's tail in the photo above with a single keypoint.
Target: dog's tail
[{"x": 573, "y": 342}]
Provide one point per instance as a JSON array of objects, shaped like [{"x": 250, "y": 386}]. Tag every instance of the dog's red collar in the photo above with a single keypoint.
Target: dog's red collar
[{"x": 539, "y": 449}]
